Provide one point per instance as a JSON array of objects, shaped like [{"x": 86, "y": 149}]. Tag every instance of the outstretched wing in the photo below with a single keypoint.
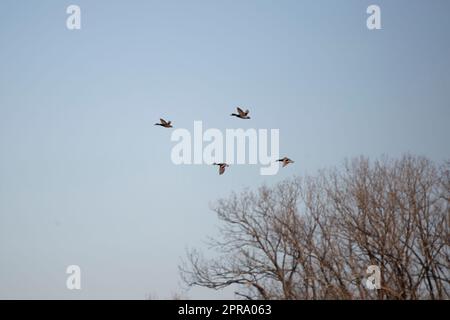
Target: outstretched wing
[
  {"x": 240, "y": 111},
  {"x": 221, "y": 170},
  {"x": 163, "y": 121}
]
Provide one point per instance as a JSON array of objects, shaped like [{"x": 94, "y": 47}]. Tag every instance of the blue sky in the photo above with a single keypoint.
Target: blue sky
[{"x": 85, "y": 176}]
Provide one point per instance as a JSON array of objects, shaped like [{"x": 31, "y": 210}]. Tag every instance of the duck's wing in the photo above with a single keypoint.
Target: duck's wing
[
  {"x": 163, "y": 121},
  {"x": 240, "y": 111},
  {"x": 221, "y": 170}
]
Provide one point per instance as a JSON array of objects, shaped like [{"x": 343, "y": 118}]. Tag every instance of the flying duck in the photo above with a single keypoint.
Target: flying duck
[
  {"x": 222, "y": 167},
  {"x": 285, "y": 161},
  {"x": 241, "y": 114},
  {"x": 164, "y": 123}
]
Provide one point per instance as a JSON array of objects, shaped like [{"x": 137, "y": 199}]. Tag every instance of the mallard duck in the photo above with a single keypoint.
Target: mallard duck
[
  {"x": 222, "y": 167},
  {"x": 164, "y": 123},
  {"x": 285, "y": 161},
  {"x": 241, "y": 114}
]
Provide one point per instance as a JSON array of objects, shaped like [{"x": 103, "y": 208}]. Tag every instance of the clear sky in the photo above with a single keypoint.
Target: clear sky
[{"x": 87, "y": 179}]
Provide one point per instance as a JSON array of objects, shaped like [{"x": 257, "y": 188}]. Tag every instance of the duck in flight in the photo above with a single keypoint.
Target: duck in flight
[
  {"x": 285, "y": 161},
  {"x": 222, "y": 167},
  {"x": 164, "y": 123},
  {"x": 241, "y": 113}
]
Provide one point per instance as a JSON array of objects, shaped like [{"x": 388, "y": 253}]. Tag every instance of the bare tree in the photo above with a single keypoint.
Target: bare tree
[{"x": 314, "y": 237}]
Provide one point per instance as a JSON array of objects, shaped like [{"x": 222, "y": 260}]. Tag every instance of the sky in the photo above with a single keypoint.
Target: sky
[{"x": 87, "y": 179}]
